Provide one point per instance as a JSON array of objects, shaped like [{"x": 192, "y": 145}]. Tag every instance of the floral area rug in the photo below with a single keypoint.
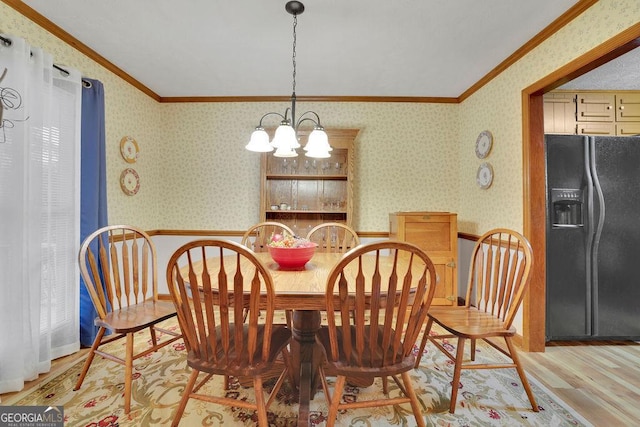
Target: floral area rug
[{"x": 486, "y": 397}]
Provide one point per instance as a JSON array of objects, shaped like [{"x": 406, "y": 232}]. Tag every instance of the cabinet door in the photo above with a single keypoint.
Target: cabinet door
[
  {"x": 628, "y": 107},
  {"x": 445, "y": 294},
  {"x": 628, "y": 129},
  {"x": 437, "y": 234},
  {"x": 596, "y": 129},
  {"x": 560, "y": 113},
  {"x": 595, "y": 107},
  {"x": 432, "y": 237}
]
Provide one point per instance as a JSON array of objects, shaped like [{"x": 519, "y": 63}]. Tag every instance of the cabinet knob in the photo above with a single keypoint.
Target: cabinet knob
[
  {"x": 609, "y": 107},
  {"x": 622, "y": 107}
]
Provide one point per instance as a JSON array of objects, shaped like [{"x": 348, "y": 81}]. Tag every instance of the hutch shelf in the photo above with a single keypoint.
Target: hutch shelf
[{"x": 302, "y": 192}]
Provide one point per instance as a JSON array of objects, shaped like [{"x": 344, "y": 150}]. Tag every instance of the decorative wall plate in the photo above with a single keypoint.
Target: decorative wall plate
[
  {"x": 129, "y": 149},
  {"x": 484, "y": 177},
  {"x": 484, "y": 144},
  {"x": 129, "y": 181}
]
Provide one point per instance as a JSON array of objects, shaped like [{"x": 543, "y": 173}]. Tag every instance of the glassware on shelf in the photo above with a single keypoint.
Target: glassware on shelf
[{"x": 325, "y": 167}]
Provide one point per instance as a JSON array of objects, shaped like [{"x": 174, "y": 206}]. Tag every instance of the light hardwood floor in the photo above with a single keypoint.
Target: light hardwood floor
[{"x": 600, "y": 380}]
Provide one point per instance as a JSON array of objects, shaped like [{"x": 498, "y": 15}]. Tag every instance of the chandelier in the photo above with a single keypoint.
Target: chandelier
[{"x": 285, "y": 140}]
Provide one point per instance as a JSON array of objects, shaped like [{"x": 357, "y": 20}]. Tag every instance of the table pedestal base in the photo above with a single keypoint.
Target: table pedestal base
[{"x": 306, "y": 356}]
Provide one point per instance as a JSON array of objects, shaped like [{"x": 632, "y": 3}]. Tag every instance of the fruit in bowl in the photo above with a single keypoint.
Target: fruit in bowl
[{"x": 290, "y": 252}]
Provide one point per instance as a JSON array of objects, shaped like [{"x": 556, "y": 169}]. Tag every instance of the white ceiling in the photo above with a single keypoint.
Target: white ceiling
[{"x": 423, "y": 48}]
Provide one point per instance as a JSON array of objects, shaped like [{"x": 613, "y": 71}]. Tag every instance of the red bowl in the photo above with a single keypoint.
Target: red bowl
[{"x": 289, "y": 258}]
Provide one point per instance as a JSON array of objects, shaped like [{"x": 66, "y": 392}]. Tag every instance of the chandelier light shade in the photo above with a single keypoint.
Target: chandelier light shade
[
  {"x": 285, "y": 140},
  {"x": 318, "y": 144}
]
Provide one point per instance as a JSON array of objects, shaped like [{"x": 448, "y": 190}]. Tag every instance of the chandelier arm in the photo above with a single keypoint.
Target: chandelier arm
[
  {"x": 303, "y": 118},
  {"x": 270, "y": 114}
]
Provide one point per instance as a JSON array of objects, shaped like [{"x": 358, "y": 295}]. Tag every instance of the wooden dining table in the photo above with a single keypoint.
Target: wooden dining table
[{"x": 303, "y": 291}]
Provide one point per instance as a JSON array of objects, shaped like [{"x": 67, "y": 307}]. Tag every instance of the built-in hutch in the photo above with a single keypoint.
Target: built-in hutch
[{"x": 302, "y": 192}]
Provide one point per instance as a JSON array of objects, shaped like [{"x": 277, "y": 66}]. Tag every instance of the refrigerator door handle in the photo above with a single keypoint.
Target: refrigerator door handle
[
  {"x": 599, "y": 224},
  {"x": 589, "y": 235}
]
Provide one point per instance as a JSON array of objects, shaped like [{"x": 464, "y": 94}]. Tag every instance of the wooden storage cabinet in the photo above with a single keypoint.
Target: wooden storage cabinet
[
  {"x": 311, "y": 191},
  {"x": 437, "y": 234}
]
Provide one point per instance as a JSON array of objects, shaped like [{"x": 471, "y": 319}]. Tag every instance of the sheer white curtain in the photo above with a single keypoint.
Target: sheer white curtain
[{"x": 39, "y": 212}]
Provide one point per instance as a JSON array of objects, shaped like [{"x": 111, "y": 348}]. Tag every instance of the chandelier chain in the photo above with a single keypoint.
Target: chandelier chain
[
  {"x": 286, "y": 138},
  {"x": 293, "y": 58}
]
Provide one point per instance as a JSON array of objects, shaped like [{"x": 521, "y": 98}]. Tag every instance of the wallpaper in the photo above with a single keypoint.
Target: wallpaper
[
  {"x": 196, "y": 175},
  {"x": 406, "y": 159}
]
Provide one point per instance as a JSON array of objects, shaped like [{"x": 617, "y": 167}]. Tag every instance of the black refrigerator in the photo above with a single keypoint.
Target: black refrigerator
[{"x": 593, "y": 237}]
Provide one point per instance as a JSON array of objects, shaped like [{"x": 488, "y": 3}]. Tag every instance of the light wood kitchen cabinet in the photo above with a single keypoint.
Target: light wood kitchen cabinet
[
  {"x": 628, "y": 129},
  {"x": 302, "y": 192},
  {"x": 595, "y": 107},
  {"x": 437, "y": 234},
  {"x": 592, "y": 113},
  {"x": 560, "y": 113},
  {"x": 596, "y": 128},
  {"x": 628, "y": 107}
]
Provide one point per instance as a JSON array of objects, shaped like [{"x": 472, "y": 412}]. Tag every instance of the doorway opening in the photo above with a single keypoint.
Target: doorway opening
[{"x": 534, "y": 174}]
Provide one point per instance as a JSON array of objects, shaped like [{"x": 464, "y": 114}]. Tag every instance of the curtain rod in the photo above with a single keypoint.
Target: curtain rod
[{"x": 7, "y": 42}]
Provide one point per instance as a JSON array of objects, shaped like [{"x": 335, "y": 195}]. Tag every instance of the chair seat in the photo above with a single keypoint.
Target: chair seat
[
  {"x": 469, "y": 322},
  {"x": 138, "y": 317},
  {"x": 239, "y": 365},
  {"x": 371, "y": 362}
]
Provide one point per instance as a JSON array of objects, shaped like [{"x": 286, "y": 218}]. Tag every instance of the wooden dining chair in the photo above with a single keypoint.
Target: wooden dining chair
[
  {"x": 499, "y": 276},
  {"x": 258, "y": 235},
  {"x": 219, "y": 338},
  {"x": 118, "y": 266},
  {"x": 371, "y": 333},
  {"x": 333, "y": 237}
]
